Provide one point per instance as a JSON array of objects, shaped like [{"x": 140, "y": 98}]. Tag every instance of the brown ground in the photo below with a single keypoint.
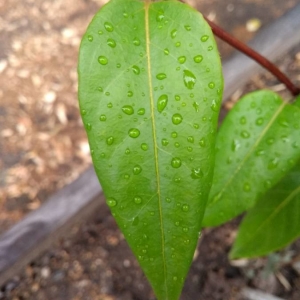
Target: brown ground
[{"x": 43, "y": 147}]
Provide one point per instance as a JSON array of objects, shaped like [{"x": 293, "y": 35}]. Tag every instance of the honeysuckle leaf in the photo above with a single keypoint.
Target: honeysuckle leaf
[
  {"x": 273, "y": 222},
  {"x": 150, "y": 87},
  {"x": 258, "y": 143}
]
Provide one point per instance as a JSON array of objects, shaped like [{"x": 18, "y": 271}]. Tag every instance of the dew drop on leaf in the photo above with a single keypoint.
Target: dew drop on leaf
[
  {"x": 188, "y": 27},
  {"x": 144, "y": 147},
  {"x": 177, "y": 119},
  {"x": 243, "y": 120},
  {"x": 111, "y": 202},
  {"x": 83, "y": 112},
  {"x": 189, "y": 79},
  {"x": 196, "y": 173},
  {"x": 185, "y": 207},
  {"x": 161, "y": 76},
  {"x": 214, "y": 106},
  {"x": 204, "y": 38},
  {"x": 247, "y": 187},
  {"x": 190, "y": 139},
  {"x": 181, "y": 59},
  {"x": 90, "y": 38},
  {"x": 178, "y": 44},
  {"x": 177, "y": 98},
  {"x": 136, "y": 70},
  {"x": 174, "y": 134},
  {"x": 109, "y": 27},
  {"x": 102, "y": 118},
  {"x": 211, "y": 85},
  {"x": 160, "y": 16},
  {"x": 166, "y": 51},
  {"x": 110, "y": 140},
  {"x": 89, "y": 126},
  {"x": 164, "y": 142},
  {"x": 137, "y": 200},
  {"x": 135, "y": 222},
  {"x": 127, "y": 109},
  {"x": 270, "y": 141},
  {"x": 102, "y": 60},
  {"x": 273, "y": 164},
  {"x": 176, "y": 162},
  {"x": 137, "y": 169},
  {"x": 111, "y": 43},
  {"x": 136, "y": 41},
  {"x": 141, "y": 111},
  {"x": 202, "y": 143},
  {"x": 129, "y": 93},
  {"x": 245, "y": 134},
  {"x": 162, "y": 103},
  {"x": 173, "y": 33},
  {"x": 134, "y": 132},
  {"x": 198, "y": 59}
]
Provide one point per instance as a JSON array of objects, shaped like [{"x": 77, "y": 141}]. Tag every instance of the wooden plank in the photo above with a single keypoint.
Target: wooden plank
[
  {"x": 273, "y": 42},
  {"x": 38, "y": 230}
]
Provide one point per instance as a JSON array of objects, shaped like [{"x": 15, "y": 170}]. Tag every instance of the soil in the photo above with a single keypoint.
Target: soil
[{"x": 43, "y": 147}]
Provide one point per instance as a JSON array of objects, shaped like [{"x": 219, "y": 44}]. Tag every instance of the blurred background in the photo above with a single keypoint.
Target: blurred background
[{"x": 43, "y": 147}]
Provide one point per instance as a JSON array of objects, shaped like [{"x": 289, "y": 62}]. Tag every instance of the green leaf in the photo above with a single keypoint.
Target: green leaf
[
  {"x": 150, "y": 88},
  {"x": 258, "y": 143},
  {"x": 274, "y": 222}
]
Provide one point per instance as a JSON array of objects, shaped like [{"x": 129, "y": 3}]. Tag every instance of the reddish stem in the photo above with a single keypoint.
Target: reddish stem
[{"x": 219, "y": 32}]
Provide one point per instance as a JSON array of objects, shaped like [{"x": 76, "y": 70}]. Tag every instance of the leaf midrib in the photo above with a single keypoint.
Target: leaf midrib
[{"x": 147, "y": 30}]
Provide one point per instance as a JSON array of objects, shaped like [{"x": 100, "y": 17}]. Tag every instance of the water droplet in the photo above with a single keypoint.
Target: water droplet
[
  {"x": 162, "y": 103},
  {"x": 160, "y": 16},
  {"x": 129, "y": 93},
  {"x": 177, "y": 179},
  {"x": 164, "y": 142},
  {"x": 102, "y": 60},
  {"x": 173, "y": 33},
  {"x": 214, "y": 106},
  {"x": 168, "y": 200},
  {"x": 127, "y": 109},
  {"x": 259, "y": 152},
  {"x": 190, "y": 149},
  {"x": 210, "y": 48},
  {"x": 268, "y": 184},
  {"x": 89, "y": 126},
  {"x": 177, "y": 98},
  {"x": 211, "y": 85},
  {"x": 273, "y": 163},
  {"x": 235, "y": 145},
  {"x": 202, "y": 143},
  {"x": 107, "y": 93},
  {"x": 136, "y": 41},
  {"x": 125, "y": 15},
  {"x": 109, "y": 105},
  {"x": 118, "y": 66},
  {"x": 127, "y": 151},
  {"x": 189, "y": 79},
  {"x": 166, "y": 51},
  {"x": 190, "y": 139},
  {"x": 181, "y": 59},
  {"x": 188, "y": 27},
  {"x": 126, "y": 176},
  {"x": 136, "y": 70},
  {"x": 178, "y": 44},
  {"x": 185, "y": 229},
  {"x": 270, "y": 141},
  {"x": 259, "y": 121},
  {"x": 134, "y": 132},
  {"x": 161, "y": 76},
  {"x": 198, "y": 59},
  {"x": 243, "y": 120},
  {"x": 175, "y": 278},
  {"x": 135, "y": 222},
  {"x": 177, "y": 145},
  {"x": 245, "y": 134},
  {"x": 204, "y": 38},
  {"x": 111, "y": 202},
  {"x": 185, "y": 207},
  {"x": 137, "y": 169},
  {"x": 109, "y": 27},
  {"x": 141, "y": 111},
  {"x": 90, "y": 38},
  {"x": 177, "y": 119},
  {"x": 196, "y": 126},
  {"x": 111, "y": 43},
  {"x": 247, "y": 187},
  {"x": 100, "y": 32},
  {"x": 197, "y": 173},
  {"x": 174, "y": 134},
  {"x": 110, "y": 140},
  {"x": 137, "y": 200},
  {"x": 176, "y": 162},
  {"x": 144, "y": 147},
  {"x": 83, "y": 112}
]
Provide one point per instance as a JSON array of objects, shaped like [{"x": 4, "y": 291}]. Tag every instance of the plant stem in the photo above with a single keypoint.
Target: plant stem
[{"x": 264, "y": 62}]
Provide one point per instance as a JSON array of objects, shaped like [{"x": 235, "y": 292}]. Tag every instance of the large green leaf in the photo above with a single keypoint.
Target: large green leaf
[
  {"x": 274, "y": 222},
  {"x": 258, "y": 143},
  {"x": 150, "y": 88}
]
